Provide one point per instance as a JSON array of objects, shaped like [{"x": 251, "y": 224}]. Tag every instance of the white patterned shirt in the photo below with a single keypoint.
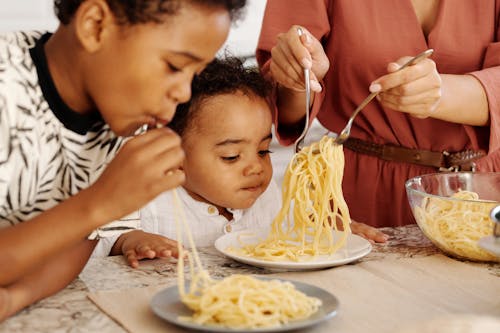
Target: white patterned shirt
[{"x": 48, "y": 152}]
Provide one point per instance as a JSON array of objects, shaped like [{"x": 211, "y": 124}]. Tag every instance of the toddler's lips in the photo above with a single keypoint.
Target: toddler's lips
[{"x": 253, "y": 188}]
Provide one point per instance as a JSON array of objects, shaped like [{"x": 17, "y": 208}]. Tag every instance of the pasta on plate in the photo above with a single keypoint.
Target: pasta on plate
[
  {"x": 313, "y": 206},
  {"x": 237, "y": 301}
]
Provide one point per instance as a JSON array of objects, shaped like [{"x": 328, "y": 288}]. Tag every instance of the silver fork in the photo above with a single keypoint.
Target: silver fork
[
  {"x": 307, "y": 82},
  {"x": 344, "y": 134}
]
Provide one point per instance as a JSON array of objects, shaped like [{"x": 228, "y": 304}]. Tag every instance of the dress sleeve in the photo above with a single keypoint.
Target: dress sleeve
[
  {"x": 279, "y": 16},
  {"x": 489, "y": 77}
]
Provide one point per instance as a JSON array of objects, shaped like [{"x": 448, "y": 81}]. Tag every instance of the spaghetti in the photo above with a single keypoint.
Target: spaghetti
[
  {"x": 312, "y": 191},
  {"x": 457, "y": 225},
  {"x": 238, "y": 301}
]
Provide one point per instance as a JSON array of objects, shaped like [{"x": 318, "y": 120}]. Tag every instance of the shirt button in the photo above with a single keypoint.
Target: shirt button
[
  {"x": 212, "y": 210},
  {"x": 228, "y": 228}
]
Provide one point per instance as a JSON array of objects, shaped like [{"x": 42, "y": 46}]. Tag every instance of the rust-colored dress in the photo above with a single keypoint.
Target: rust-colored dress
[{"x": 360, "y": 39}]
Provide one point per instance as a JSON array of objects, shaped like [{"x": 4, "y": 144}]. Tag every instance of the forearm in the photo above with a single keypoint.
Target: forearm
[
  {"x": 291, "y": 109},
  {"x": 46, "y": 279},
  {"x": 463, "y": 101},
  {"x": 32, "y": 242}
]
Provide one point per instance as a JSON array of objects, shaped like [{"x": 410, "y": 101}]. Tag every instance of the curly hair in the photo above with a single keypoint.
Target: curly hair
[
  {"x": 221, "y": 76},
  {"x": 144, "y": 11}
]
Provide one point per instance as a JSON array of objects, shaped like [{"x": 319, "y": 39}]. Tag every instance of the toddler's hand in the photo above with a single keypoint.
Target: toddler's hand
[
  {"x": 370, "y": 233},
  {"x": 137, "y": 245}
]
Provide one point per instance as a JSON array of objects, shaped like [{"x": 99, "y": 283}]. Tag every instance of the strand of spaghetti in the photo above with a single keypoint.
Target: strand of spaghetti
[{"x": 199, "y": 277}]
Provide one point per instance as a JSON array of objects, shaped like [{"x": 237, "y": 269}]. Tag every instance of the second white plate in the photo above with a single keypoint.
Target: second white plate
[
  {"x": 356, "y": 247},
  {"x": 167, "y": 305}
]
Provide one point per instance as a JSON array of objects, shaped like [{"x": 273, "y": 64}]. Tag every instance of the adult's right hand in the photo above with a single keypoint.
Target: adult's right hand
[
  {"x": 145, "y": 166},
  {"x": 292, "y": 53}
]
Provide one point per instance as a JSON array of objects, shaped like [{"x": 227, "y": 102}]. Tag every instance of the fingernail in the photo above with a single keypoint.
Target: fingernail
[
  {"x": 308, "y": 39},
  {"x": 375, "y": 87},
  {"x": 315, "y": 86},
  {"x": 395, "y": 66},
  {"x": 306, "y": 63}
]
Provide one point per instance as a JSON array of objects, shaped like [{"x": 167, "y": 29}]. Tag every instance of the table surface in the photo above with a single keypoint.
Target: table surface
[{"x": 71, "y": 311}]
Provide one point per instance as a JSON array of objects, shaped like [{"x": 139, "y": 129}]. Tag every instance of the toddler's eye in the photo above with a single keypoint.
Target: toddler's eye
[
  {"x": 230, "y": 158},
  {"x": 263, "y": 153}
]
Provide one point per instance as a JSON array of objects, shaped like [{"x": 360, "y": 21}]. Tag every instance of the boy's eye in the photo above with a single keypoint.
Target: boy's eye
[
  {"x": 173, "y": 68},
  {"x": 230, "y": 158},
  {"x": 263, "y": 153}
]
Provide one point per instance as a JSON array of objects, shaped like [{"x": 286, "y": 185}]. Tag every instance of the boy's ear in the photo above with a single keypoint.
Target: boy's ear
[{"x": 92, "y": 22}]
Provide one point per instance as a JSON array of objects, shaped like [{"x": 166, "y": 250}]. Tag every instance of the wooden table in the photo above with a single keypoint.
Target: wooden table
[{"x": 71, "y": 311}]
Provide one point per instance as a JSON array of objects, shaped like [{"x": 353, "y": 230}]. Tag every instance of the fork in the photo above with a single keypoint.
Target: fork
[
  {"x": 344, "y": 134},
  {"x": 307, "y": 83}
]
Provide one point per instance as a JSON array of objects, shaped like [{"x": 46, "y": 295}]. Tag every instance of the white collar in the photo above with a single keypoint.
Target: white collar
[{"x": 206, "y": 208}]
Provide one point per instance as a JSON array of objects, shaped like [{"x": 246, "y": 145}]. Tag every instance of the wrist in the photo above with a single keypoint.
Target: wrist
[
  {"x": 117, "y": 246},
  {"x": 5, "y": 304},
  {"x": 13, "y": 299},
  {"x": 95, "y": 209}
]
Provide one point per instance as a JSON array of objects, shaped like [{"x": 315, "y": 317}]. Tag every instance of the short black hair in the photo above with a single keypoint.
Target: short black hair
[
  {"x": 222, "y": 76},
  {"x": 144, "y": 11}
]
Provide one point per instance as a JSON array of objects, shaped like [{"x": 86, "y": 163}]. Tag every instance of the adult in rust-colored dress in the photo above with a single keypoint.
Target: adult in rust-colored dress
[{"x": 360, "y": 39}]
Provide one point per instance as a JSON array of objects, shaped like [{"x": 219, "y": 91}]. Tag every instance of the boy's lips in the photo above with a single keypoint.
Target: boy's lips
[{"x": 157, "y": 123}]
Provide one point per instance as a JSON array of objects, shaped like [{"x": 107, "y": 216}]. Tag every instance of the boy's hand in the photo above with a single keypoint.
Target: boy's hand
[
  {"x": 146, "y": 166},
  {"x": 136, "y": 245}
]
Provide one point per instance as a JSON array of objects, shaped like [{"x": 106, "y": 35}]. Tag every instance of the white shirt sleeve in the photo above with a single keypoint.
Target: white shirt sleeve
[
  {"x": 115, "y": 229},
  {"x": 104, "y": 246}
]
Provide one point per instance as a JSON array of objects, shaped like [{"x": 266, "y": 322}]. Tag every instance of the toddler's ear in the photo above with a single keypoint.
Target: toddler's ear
[{"x": 93, "y": 22}]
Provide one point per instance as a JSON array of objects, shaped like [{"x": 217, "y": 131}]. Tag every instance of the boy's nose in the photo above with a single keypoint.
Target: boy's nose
[{"x": 182, "y": 90}]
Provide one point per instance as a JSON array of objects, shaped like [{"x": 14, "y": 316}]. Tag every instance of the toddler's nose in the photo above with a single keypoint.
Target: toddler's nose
[{"x": 254, "y": 167}]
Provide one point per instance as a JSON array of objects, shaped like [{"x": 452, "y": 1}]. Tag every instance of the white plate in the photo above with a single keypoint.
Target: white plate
[
  {"x": 490, "y": 244},
  {"x": 167, "y": 305},
  {"x": 356, "y": 247}
]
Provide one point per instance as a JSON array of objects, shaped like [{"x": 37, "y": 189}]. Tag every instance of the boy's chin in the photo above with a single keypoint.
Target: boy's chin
[{"x": 127, "y": 130}]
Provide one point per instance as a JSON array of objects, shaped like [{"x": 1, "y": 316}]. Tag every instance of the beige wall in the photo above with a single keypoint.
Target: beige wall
[{"x": 39, "y": 14}]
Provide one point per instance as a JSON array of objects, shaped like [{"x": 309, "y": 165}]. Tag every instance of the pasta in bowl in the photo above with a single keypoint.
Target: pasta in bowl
[{"x": 453, "y": 210}]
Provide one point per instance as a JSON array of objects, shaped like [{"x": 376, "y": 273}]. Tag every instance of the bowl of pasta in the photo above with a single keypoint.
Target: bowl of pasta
[{"x": 453, "y": 210}]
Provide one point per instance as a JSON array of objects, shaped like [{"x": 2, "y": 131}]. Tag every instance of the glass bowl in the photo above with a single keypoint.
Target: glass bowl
[{"x": 453, "y": 210}]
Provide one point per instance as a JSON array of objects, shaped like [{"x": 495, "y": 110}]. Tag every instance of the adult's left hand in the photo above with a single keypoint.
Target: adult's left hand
[{"x": 415, "y": 89}]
